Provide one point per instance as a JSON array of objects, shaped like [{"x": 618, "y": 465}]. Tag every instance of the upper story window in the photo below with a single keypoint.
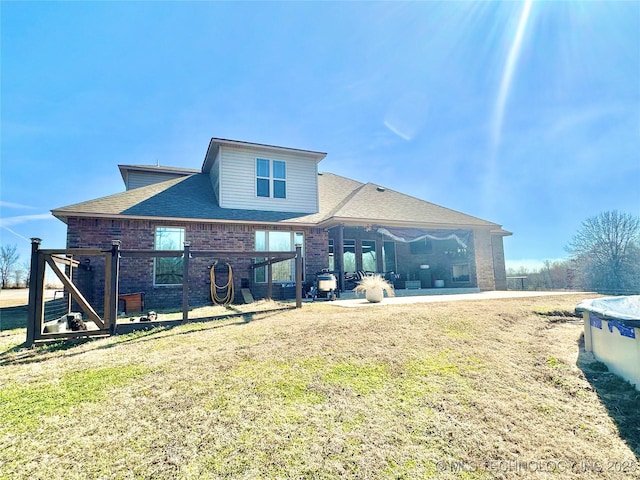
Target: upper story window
[{"x": 271, "y": 178}]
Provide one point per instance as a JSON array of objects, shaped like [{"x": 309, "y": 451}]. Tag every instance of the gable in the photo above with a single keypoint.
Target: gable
[
  {"x": 136, "y": 176},
  {"x": 263, "y": 177}
]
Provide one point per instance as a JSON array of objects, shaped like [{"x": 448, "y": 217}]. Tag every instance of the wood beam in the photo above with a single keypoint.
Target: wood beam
[{"x": 66, "y": 281}]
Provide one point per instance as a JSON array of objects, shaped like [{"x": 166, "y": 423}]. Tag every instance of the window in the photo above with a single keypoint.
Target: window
[
  {"x": 262, "y": 178},
  {"x": 278, "y": 242},
  {"x": 271, "y": 178},
  {"x": 369, "y": 262},
  {"x": 168, "y": 270},
  {"x": 349, "y": 258},
  {"x": 389, "y": 256},
  {"x": 460, "y": 273},
  {"x": 279, "y": 179}
]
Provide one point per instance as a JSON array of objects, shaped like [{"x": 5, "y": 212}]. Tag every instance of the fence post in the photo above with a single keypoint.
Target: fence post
[
  {"x": 298, "y": 276},
  {"x": 35, "y": 294},
  {"x": 113, "y": 282},
  {"x": 185, "y": 281},
  {"x": 269, "y": 279}
]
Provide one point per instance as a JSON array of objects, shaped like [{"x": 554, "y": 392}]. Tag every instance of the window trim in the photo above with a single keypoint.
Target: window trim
[
  {"x": 271, "y": 179},
  {"x": 263, "y": 177}
]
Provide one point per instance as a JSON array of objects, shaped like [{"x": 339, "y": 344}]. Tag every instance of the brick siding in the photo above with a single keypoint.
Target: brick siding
[
  {"x": 485, "y": 270},
  {"x": 136, "y": 274},
  {"x": 499, "y": 267}
]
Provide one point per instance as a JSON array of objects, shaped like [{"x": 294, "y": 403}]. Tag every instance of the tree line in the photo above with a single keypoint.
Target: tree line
[
  {"x": 13, "y": 272},
  {"x": 604, "y": 257}
]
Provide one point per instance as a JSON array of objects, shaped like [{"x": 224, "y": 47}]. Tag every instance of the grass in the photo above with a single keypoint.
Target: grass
[
  {"x": 471, "y": 390},
  {"x": 23, "y": 406}
]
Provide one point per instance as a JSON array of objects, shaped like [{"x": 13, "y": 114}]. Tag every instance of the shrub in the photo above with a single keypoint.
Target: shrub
[{"x": 374, "y": 281}]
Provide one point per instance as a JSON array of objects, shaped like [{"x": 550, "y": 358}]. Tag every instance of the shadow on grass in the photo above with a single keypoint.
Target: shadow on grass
[
  {"x": 618, "y": 396},
  {"x": 20, "y": 354},
  {"x": 13, "y": 317}
]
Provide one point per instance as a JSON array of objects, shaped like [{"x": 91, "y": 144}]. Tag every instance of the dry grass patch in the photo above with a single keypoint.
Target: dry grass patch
[{"x": 396, "y": 391}]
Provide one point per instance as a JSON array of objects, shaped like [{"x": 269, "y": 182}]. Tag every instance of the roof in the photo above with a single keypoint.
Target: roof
[
  {"x": 184, "y": 198},
  {"x": 371, "y": 203},
  {"x": 342, "y": 200}
]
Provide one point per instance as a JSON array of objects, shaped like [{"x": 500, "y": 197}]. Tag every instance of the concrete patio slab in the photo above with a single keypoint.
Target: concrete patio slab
[{"x": 361, "y": 302}]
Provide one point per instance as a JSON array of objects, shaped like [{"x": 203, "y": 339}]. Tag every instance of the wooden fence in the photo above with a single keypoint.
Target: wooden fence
[{"x": 107, "y": 323}]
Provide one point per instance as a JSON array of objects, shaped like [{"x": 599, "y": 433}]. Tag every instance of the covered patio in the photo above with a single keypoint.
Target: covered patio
[{"x": 410, "y": 258}]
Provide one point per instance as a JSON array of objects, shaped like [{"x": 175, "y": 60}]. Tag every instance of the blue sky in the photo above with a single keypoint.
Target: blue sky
[{"x": 522, "y": 113}]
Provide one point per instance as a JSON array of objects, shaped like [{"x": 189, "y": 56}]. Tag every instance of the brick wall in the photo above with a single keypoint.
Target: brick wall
[
  {"x": 484, "y": 259},
  {"x": 136, "y": 274},
  {"x": 316, "y": 255},
  {"x": 499, "y": 267}
]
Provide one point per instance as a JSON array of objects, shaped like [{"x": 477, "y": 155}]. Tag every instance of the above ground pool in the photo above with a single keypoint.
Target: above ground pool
[{"x": 612, "y": 333}]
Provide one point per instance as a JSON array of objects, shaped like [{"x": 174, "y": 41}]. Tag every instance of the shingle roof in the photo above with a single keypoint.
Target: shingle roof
[
  {"x": 341, "y": 200},
  {"x": 189, "y": 198},
  {"x": 378, "y": 204}
]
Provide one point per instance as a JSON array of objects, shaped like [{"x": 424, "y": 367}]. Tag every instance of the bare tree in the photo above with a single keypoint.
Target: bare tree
[
  {"x": 26, "y": 268},
  {"x": 8, "y": 259},
  {"x": 21, "y": 273},
  {"x": 607, "y": 251}
]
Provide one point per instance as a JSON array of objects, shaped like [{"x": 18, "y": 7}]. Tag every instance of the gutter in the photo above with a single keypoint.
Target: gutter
[{"x": 63, "y": 217}]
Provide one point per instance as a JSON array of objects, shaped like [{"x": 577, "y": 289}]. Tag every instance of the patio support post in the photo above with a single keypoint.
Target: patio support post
[
  {"x": 339, "y": 257},
  {"x": 298, "y": 276},
  {"x": 34, "y": 318},
  {"x": 185, "y": 281}
]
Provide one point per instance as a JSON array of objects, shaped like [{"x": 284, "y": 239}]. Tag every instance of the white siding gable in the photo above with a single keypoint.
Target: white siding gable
[{"x": 236, "y": 170}]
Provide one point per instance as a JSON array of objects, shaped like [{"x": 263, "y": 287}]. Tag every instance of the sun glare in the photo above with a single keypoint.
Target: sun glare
[{"x": 507, "y": 74}]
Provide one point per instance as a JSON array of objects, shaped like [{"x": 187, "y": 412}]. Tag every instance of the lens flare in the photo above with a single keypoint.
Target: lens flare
[{"x": 507, "y": 74}]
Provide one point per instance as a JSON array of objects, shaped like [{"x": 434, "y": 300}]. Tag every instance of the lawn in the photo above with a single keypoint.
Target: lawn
[{"x": 471, "y": 390}]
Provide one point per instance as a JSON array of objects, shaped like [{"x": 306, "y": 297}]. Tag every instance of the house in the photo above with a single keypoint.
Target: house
[{"x": 254, "y": 197}]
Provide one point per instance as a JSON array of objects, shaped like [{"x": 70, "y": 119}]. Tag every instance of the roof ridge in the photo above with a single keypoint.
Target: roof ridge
[
  {"x": 157, "y": 167},
  {"x": 344, "y": 200}
]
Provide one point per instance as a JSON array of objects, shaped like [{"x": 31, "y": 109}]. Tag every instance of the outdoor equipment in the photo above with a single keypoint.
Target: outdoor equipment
[{"x": 326, "y": 286}]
